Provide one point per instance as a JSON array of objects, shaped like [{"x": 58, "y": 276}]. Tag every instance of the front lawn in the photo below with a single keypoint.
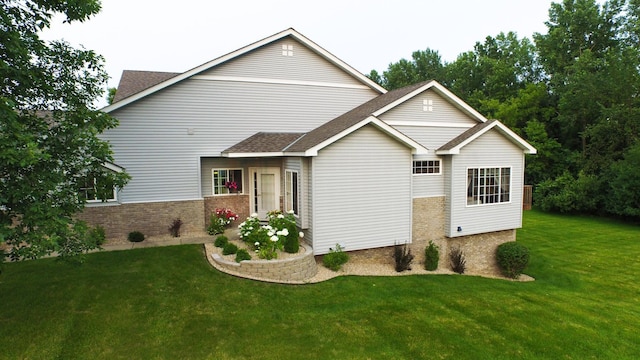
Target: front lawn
[{"x": 169, "y": 303}]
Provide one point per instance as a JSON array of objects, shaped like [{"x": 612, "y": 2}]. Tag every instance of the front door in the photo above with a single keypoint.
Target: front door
[{"x": 265, "y": 190}]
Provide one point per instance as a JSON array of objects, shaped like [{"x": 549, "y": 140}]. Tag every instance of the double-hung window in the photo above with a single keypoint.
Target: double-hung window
[
  {"x": 292, "y": 193},
  {"x": 488, "y": 185},
  {"x": 227, "y": 181}
]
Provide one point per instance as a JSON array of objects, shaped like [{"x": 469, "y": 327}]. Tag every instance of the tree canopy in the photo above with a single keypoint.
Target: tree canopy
[
  {"x": 49, "y": 145},
  {"x": 573, "y": 92}
]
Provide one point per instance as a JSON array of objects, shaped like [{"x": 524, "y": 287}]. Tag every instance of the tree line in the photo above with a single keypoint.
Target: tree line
[{"x": 573, "y": 93}]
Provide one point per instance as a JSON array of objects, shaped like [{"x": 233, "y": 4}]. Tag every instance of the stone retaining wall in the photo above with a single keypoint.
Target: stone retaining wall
[{"x": 293, "y": 270}]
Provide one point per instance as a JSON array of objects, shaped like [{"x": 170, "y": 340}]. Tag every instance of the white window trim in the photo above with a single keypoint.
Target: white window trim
[
  {"x": 286, "y": 190},
  {"x": 427, "y": 174},
  {"x": 213, "y": 182},
  {"x": 490, "y": 167}
]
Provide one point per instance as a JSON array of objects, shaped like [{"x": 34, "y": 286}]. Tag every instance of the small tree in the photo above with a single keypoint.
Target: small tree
[{"x": 431, "y": 257}]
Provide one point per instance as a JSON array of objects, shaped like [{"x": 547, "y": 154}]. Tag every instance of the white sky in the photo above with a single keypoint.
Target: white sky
[{"x": 176, "y": 36}]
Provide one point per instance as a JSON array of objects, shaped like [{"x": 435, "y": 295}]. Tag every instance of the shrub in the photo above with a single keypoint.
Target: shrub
[
  {"x": 335, "y": 258},
  {"x": 221, "y": 241},
  {"x": 174, "y": 229},
  {"x": 229, "y": 249},
  {"x": 242, "y": 254},
  {"x": 135, "y": 236},
  {"x": 403, "y": 257},
  {"x": 431, "y": 257},
  {"x": 458, "y": 262},
  {"x": 512, "y": 258},
  {"x": 219, "y": 220},
  {"x": 281, "y": 233},
  {"x": 97, "y": 235}
]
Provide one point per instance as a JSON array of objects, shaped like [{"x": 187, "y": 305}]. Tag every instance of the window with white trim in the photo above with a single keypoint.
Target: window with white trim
[
  {"x": 227, "y": 181},
  {"x": 292, "y": 193},
  {"x": 426, "y": 166},
  {"x": 488, "y": 185},
  {"x": 90, "y": 191}
]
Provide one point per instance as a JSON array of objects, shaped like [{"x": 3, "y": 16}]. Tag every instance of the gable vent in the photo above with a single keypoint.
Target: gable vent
[
  {"x": 427, "y": 105},
  {"x": 287, "y": 50}
]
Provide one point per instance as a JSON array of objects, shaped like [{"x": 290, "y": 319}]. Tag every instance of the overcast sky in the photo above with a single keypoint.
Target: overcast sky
[{"x": 176, "y": 36}]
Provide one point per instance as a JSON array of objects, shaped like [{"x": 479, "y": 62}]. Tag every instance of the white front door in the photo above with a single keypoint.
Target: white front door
[{"x": 265, "y": 190}]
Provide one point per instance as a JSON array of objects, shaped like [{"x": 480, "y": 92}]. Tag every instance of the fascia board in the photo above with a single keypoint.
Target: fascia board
[{"x": 253, "y": 154}]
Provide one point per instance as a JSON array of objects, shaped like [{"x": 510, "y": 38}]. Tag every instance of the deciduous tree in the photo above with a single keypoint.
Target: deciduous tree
[{"x": 49, "y": 145}]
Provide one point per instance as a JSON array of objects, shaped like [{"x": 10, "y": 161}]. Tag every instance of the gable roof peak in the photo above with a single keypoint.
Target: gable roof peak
[{"x": 290, "y": 32}]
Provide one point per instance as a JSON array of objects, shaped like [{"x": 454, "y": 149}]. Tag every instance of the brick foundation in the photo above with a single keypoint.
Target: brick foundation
[
  {"x": 148, "y": 218},
  {"x": 428, "y": 225},
  {"x": 239, "y": 204}
]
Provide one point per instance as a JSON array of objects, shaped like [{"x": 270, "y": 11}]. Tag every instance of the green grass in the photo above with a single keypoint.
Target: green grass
[{"x": 168, "y": 303}]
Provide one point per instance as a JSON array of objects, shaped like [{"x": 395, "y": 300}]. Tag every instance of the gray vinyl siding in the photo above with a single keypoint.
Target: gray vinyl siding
[
  {"x": 428, "y": 185},
  {"x": 489, "y": 150},
  {"x": 429, "y": 136},
  {"x": 443, "y": 111},
  {"x": 152, "y": 141},
  {"x": 362, "y": 192},
  {"x": 308, "y": 182},
  {"x": 268, "y": 62}
]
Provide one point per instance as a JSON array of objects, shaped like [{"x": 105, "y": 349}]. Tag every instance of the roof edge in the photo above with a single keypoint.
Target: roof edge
[{"x": 243, "y": 50}]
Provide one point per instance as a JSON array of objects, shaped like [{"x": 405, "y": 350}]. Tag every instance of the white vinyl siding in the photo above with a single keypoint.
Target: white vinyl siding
[
  {"x": 153, "y": 141},
  {"x": 362, "y": 192},
  {"x": 491, "y": 150}
]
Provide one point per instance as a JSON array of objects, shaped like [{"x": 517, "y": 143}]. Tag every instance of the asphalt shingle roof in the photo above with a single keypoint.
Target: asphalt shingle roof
[
  {"x": 350, "y": 118},
  {"x": 264, "y": 142},
  {"x": 465, "y": 135},
  {"x": 133, "y": 81}
]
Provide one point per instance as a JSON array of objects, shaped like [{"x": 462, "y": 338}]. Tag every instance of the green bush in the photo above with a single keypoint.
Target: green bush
[
  {"x": 431, "y": 257},
  {"x": 221, "y": 241},
  {"x": 291, "y": 242},
  {"x": 97, "y": 235},
  {"x": 135, "y": 236},
  {"x": 335, "y": 258},
  {"x": 229, "y": 249},
  {"x": 458, "y": 262},
  {"x": 242, "y": 254},
  {"x": 512, "y": 258}
]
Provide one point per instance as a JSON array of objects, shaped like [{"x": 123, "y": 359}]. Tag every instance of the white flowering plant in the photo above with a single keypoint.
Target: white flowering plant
[{"x": 280, "y": 233}]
